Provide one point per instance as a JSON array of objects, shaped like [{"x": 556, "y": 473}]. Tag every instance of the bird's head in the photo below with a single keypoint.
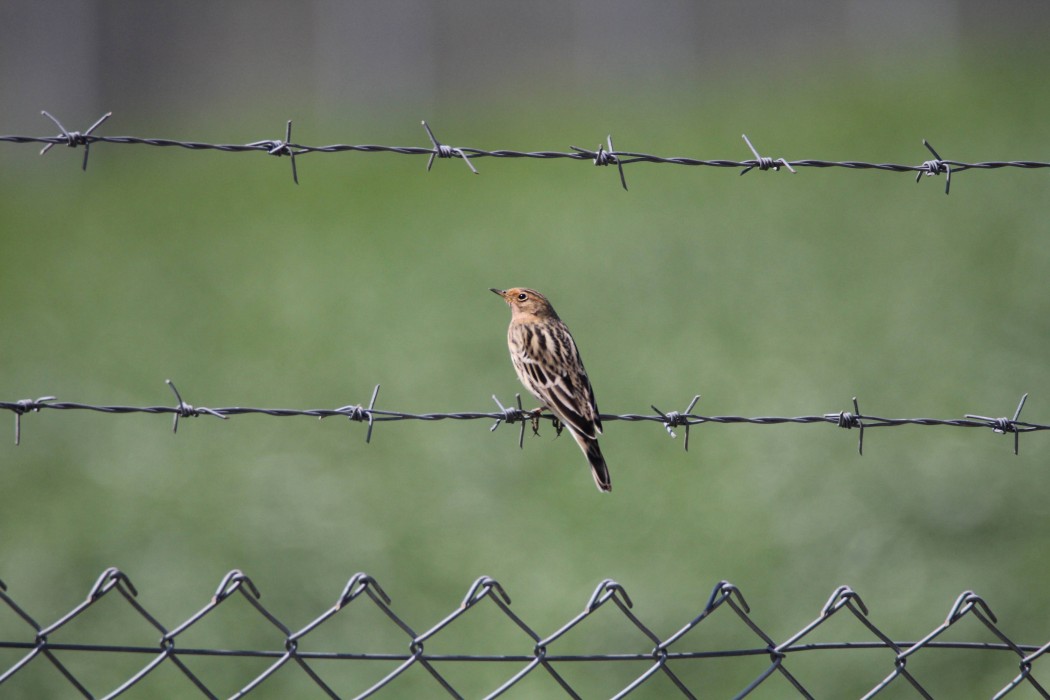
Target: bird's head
[{"x": 526, "y": 302}]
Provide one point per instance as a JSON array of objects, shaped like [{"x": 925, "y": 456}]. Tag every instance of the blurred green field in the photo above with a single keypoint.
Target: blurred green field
[{"x": 770, "y": 294}]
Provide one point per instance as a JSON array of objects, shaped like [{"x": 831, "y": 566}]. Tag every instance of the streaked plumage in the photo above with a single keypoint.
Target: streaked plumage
[{"x": 549, "y": 365}]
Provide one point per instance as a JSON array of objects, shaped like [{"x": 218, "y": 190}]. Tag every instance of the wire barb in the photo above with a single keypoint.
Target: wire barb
[
  {"x": 931, "y": 168},
  {"x": 25, "y": 406},
  {"x": 1004, "y": 426},
  {"x": 512, "y": 415},
  {"x": 185, "y": 410},
  {"x": 282, "y": 148},
  {"x": 763, "y": 163},
  {"x": 75, "y": 138},
  {"x": 604, "y": 157},
  {"x": 847, "y": 420},
  {"x": 358, "y": 413},
  {"x": 674, "y": 419},
  {"x": 443, "y": 151}
]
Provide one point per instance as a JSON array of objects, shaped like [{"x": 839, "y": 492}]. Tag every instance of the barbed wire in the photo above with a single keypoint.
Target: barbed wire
[
  {"x": 516, "y": 413},
  {"x": 665, "y": 654},
  {"x": 604, "y": 155}
]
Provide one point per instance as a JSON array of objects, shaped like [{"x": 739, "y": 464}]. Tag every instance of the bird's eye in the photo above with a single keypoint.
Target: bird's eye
[{"x": 522, "y": 296}]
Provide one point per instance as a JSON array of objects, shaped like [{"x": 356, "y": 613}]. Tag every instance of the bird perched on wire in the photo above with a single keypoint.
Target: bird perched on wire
[{"x": 549, "y": 365}]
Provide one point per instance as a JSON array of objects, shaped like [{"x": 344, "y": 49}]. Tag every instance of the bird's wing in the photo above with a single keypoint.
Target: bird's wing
[{"x": 557, "y": 377}]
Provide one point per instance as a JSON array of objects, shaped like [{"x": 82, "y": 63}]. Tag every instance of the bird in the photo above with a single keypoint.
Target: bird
[{"x": 548, "y": 363}]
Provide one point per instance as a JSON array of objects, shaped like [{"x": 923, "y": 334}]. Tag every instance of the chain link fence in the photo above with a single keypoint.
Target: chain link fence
[{"x": 659, "y": 656}]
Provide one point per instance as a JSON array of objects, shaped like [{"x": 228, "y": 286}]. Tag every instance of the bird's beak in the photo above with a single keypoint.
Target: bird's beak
[{"x": 498, "y": 291}]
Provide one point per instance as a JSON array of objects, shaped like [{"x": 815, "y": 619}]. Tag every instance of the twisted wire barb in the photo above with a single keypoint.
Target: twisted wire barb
[
  {"x": 604, "y": 155},
  {"x": 663, "y": 654},
  {"x": 517, "y": 414}
]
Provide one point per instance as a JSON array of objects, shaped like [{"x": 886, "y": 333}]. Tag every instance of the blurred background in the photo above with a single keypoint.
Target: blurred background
[{"x": 770, "y": 294}]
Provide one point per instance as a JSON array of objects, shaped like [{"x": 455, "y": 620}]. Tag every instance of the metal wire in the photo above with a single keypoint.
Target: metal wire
[
  {"x": 604, "y": 155},
  {"x": 517, "y": 414},
  {"x": 665, "y": 655}
]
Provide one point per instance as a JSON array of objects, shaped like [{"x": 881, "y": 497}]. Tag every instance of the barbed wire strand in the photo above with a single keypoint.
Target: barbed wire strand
[
  {"x": 659, "y": 651},
  {"x": 517, "y": 414},
  {"x": 604, "y": 155}
]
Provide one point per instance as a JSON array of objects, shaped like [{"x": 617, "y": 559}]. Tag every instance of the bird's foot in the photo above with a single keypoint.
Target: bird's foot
[
  {"x": 534, "y": 417},
  {"x": 537, "y": 414},
  {"x": 558, "y": 426}
]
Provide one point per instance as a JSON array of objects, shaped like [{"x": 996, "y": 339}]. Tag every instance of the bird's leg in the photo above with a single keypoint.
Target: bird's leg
[
  {"x": 558, "y": 426},
  {"x": 534, "y": 416}
]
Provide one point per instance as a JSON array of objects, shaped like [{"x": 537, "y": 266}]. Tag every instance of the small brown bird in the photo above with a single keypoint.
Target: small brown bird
[{"x": 549, "y": 365}]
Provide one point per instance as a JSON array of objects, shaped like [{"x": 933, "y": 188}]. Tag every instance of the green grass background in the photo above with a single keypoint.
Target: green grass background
[{"x": 770, "y": 294}]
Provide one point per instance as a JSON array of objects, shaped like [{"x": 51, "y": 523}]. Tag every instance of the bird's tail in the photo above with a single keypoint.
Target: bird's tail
[{"x": 599, "y": 470}]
